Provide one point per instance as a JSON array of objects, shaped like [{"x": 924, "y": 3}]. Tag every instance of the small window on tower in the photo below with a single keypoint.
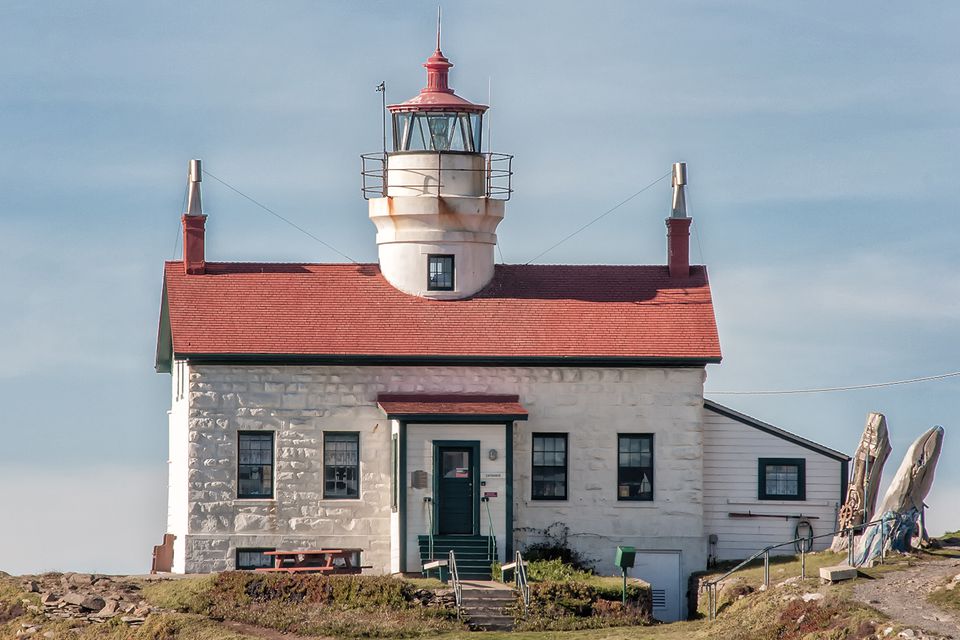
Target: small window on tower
[{"x": 440, "y": 273}]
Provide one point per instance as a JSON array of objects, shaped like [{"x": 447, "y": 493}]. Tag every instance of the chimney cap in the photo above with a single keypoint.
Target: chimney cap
[
  {"x": 194, "y": 177},
  {"x": 678, "y": 208}
]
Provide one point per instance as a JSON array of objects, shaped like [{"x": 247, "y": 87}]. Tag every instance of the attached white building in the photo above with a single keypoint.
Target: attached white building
[{"x": 365, "y": 406}]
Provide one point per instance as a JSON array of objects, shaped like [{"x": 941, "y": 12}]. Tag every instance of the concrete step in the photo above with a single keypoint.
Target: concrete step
[
  {"x": 489, "y": 602},
  {"x": 490, "y": 622}
]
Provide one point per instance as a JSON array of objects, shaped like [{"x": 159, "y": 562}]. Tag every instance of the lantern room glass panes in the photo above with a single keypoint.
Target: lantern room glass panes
[
  {"x": 341, "y": 465},
  {"x": 635, "y": 467},
  {"x": 437, "y": 131}
]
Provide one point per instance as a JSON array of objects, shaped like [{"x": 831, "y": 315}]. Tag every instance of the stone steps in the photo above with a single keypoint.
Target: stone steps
[{"x": 488, "y": 608}]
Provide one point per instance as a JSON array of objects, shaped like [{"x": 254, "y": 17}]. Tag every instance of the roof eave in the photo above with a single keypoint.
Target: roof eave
[
  {"x": 434, "y": 359},
  {"x": 774, "y": 431}
]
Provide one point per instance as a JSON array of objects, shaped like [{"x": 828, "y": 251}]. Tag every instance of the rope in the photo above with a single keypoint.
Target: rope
[
  {"x": 854, "y": 387},
  {"x": 277, "y": 215},
  {"x": 597, "y": 219}
]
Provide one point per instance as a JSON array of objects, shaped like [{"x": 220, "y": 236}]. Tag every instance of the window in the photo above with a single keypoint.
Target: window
[
  {"x": 782, "y": 479},
  {"x": 635, "y": 467},
  {"x": 255, "y": 465},
  {"x": 250, "y": 559},
  {"x": 437, "y": 131},
  {"x": 440, "y": 273},
  {"x": 341, "y": 465},
  {"x": 549, "y": 466}
]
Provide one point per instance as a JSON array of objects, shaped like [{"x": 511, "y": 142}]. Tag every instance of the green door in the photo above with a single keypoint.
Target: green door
[{"x": 455, "y": 490}]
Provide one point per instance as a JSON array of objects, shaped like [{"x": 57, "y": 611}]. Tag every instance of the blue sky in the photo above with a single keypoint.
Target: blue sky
[{"x": 821, "y": 140}]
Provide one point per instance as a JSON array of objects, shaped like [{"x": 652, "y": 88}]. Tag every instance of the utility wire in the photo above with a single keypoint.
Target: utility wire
[
  {"x": 598, "y": 218},
  {"x": 855, "y": 387},
  {"x": 277, "y": 215},
  {"x": 176, "y": 239}
]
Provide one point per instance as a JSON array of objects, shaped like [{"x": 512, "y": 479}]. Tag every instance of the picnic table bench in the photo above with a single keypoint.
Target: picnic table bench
[{"x": 328, "y": 561}]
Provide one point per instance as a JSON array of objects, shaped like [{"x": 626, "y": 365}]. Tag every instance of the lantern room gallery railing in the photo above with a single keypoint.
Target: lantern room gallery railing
[{"x": 497, "y": 173}]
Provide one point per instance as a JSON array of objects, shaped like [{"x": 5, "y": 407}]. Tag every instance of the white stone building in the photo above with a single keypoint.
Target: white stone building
[{"x": 365, "y": 406}]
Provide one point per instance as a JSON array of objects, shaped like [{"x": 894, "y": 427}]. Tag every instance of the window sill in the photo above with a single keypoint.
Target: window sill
[
  {"x": 637, "y": 504},
  {"x": 254, "y": 501},
  {"x": 323, "y": 500}
]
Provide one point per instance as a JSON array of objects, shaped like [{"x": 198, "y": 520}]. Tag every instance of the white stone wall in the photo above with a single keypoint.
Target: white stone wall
[
  {"x": 592, "y": 406},
  {"x": 177, "y": 499},
  {"x": 731, "y": 453},
  {"x": 298, "y": 403}
]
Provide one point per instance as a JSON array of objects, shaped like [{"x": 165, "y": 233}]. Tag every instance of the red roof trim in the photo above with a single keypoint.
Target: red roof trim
[{"x": 407, "y": 405}]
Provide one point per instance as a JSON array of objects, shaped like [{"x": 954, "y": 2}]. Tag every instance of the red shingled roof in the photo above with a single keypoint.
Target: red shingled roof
[
  {"x": 400, "y": 405},
  {"x": 527, "y": 311}
]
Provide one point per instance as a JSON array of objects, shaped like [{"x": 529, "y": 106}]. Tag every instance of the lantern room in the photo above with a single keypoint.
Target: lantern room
[{"x": 437, "y": 119}]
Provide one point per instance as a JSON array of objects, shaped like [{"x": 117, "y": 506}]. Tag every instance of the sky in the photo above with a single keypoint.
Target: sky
[{"x": 822, "y": 147}]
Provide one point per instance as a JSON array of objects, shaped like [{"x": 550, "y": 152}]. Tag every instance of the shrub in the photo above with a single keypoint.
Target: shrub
[{"x": 556, "y": 546}]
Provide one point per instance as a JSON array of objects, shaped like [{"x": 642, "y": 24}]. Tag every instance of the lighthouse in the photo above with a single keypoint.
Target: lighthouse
[{"x": 435, "y": 197}]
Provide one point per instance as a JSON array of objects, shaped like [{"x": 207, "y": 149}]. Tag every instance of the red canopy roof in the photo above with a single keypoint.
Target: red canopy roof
[
  {"x": 403, "y": 405},
  {"x": 534, "y": 313}
]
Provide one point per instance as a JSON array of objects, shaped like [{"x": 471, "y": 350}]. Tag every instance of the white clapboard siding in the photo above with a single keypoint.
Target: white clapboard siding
[{"x": 731, "y": 450}]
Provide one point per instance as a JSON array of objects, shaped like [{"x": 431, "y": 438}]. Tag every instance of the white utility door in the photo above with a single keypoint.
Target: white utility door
[{"x": 662, "y": 570}]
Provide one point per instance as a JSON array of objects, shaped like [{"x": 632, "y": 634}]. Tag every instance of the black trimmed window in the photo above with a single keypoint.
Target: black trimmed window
[
  {"x": 255, "y": 464},
  {"x": 250, "y": 559},
  {"x": 439, "y": 273},
  {"x": 782, "y": 479},
  {"x": 341, "y": 465},
  {"x": 549, "y": 466},
  {"x": 635, "y": 466}
]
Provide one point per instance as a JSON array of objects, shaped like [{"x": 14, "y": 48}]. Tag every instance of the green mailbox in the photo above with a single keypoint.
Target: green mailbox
[{"x": 625, "y": 557}]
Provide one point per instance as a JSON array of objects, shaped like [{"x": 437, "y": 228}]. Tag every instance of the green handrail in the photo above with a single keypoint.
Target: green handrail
[{"x": 492, "y": 535}]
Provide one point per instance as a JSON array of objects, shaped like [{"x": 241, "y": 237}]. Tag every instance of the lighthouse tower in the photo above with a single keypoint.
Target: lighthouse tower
[{"x": 441, "y": 198}]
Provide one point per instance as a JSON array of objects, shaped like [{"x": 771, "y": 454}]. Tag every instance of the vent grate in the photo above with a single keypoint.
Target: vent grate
[{"x": 659, "y": 598}]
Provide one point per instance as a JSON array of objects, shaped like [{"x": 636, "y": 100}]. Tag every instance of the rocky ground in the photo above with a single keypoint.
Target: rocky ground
[
  {"x": 902, "y": 595},
  {"x": 83, "y": 597}
]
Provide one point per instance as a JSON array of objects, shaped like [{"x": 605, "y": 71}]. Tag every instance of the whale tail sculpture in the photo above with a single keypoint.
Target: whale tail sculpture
[
  {"x": 864, "y": 485},
  {"x": 902, "y": 505}
]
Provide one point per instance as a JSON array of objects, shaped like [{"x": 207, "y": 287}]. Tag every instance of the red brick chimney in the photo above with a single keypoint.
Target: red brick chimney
[
  {"x": 678, "y": 226},
  {"x": 193, "y": 224}
]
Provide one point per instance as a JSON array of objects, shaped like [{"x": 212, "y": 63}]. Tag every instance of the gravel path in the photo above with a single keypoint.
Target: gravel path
[{"x": 902, "y": 595}]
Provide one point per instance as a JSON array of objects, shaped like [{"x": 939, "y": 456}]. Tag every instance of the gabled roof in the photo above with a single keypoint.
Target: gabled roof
[
  {"x": 457, "y": 407},
  {"x": 349, "y": 313},
  {"x": 774, "y": 431}
]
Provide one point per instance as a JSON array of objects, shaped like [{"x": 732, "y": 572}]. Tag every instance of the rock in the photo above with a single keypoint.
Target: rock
[
  {"x": 907, "y": 633},
  {"x": 88, "y": 602},
  {"x": 49, "y": 634},
  {"x": 109, "y": 609},
  {"x": 80, "y": 579},
  {"x": 73, "y": 598},
  {"x": 811, "y": 597},
  {"x": 133, "y": 619},
  {"x": 32, "y": 587},
  {"x": 142, "y": 611},
  {"x": 48, "y": 598}
]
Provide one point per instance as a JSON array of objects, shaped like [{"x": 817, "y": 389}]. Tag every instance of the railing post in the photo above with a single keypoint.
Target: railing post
[
  {"x": 850, "y": 546},
  {"x": 803, "y": 561},
  {"x": 883, "y": 538},
  {"x": 766, "y": 568}
]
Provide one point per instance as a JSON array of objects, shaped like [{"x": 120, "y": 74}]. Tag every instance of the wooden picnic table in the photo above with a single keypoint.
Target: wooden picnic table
[{"x": 329, "y": 561}]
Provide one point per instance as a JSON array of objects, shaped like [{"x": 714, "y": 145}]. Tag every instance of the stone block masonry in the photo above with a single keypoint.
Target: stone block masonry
[{"x": 299, "y": 403}]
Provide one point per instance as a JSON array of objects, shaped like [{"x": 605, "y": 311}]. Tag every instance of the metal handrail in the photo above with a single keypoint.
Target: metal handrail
[
  {"x": 492, "y": 537},
  {"x": 520, "y": 578},
  {"x": 498, "y": 180},
  {"x": 455, "y": 579},
  {"x": 711, "y": 585},
  {"x": 429, "y": 502}
]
